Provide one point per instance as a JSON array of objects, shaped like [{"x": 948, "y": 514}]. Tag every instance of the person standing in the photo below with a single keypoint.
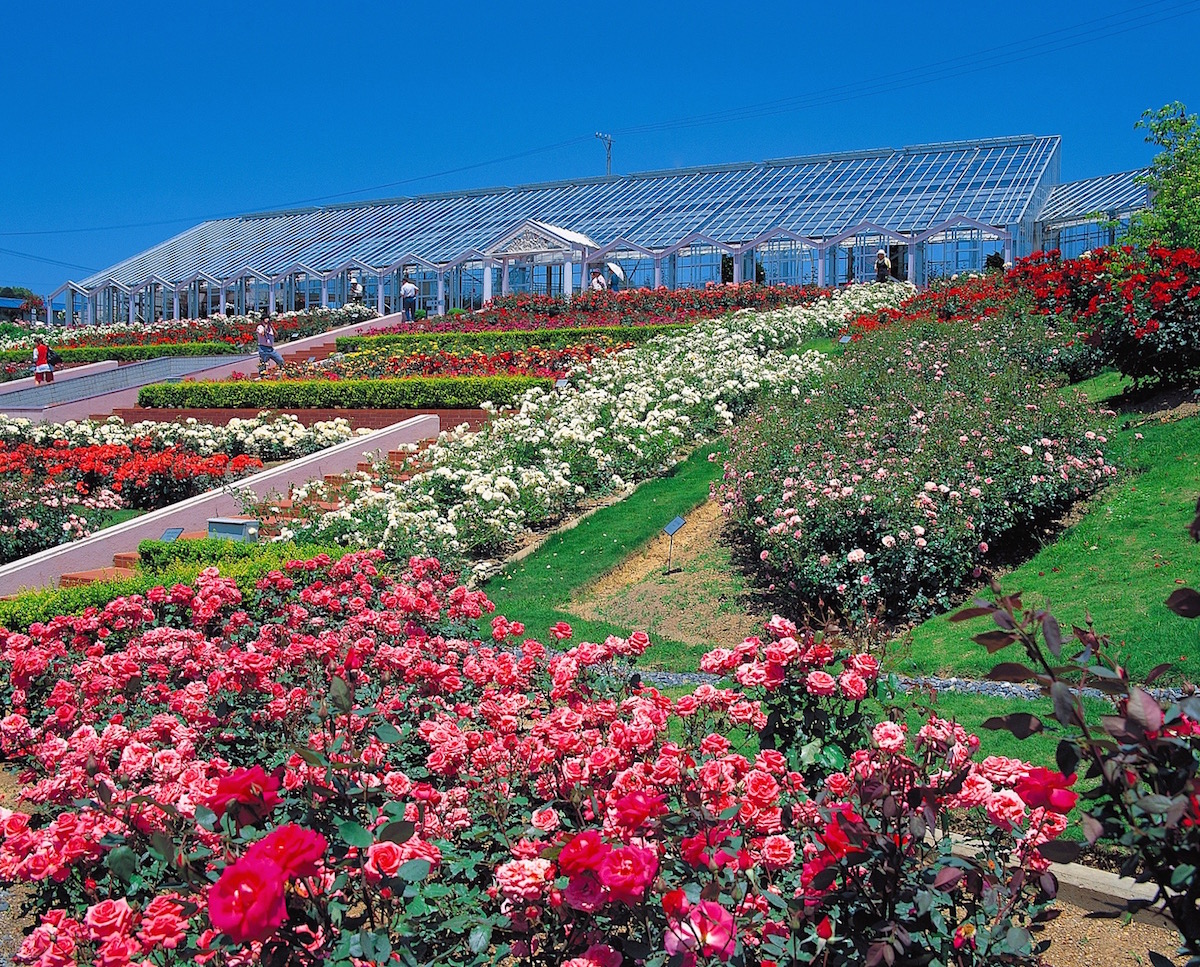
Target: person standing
[
  {"x": 408, "y": 299},
  {"x": 883, "y": 266},
  {"x": 599, "y": 283},
  {"x": 43, "y": 369},
  {"x": 266, "y": 345}
]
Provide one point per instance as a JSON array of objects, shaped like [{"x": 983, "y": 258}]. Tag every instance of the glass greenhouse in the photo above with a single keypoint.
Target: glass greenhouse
[{"x": 936, "y": 209}]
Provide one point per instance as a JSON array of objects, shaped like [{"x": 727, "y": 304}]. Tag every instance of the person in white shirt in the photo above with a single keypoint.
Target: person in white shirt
[
  {"x": 408, "y": 299},
  {"x": 599, "y": 282}
]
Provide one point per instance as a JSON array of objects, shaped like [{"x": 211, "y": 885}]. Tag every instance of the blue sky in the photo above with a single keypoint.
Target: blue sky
[{"x": 142, "y": 119}]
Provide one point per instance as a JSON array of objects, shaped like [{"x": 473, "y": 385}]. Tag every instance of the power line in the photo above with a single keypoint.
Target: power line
[
  {"x": 39, "y": 258},
  {"x": 308, "y": 201}
]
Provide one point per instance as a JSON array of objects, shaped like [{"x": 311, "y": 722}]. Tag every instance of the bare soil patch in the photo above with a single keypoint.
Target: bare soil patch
[
  {"x": 704, "y": 600},
  {"x": 1077, "y": 941}
]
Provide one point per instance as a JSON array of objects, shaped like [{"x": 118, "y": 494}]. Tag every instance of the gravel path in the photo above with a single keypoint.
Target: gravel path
[{"x": 964, "y": 686}]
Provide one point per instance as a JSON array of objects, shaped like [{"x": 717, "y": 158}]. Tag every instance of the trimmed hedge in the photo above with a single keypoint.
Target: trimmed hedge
[
  {"x": 162, "y": 555},
  {"x": 504, "y": 339},
  {"x": 43, "y": 605},
  {"x": 417, "y": 392},
  {"x": 126, "y": 354}
]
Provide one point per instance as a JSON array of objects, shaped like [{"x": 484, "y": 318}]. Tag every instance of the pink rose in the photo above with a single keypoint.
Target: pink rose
[
  {"x": 888, "y": 736},
  {"x": 109, "y": 918},
  {"x": 853, "y": 686},
  {"x": 820, "y": 683},
  {"x": 777, "y": 852},
  {"x": 545, "y": 819},
  {"x": 1005, "y": 809}
]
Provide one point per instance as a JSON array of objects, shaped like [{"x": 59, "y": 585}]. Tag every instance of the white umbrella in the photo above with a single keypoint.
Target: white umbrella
[{"x": 615, "y": 270}]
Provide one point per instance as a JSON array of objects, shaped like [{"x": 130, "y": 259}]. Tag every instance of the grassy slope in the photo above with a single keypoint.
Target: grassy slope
[
  {"x": 534, "y": 589},
  {"x": 1118, "y": 563}
]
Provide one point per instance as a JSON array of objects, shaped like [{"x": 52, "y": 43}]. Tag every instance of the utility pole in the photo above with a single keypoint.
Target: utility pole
[{"x": 608, "y": 143}]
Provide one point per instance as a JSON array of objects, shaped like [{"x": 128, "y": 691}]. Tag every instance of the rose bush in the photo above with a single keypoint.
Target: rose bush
[
  {"x": 628, "y": 417},
  {"x": 334, "y": 770},
  {"x": 886, "y": 486}
]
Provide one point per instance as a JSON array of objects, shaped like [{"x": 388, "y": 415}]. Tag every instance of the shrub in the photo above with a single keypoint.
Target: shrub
[
  {"x": 79, "y": 355},
  {"x": 1144, "y": 760},
  {"x": 414, "y": 393},
  {"x": 886, "y": 484},
  {"x": 326, "y": 770},
  {"x": 503, "y": 340},
  {"x": 159, "y": 556},
  {"x": 43, "y": 605}
]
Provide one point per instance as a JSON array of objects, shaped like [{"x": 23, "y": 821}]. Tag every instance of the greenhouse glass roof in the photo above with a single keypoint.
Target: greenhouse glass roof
[
  {"x": 1077, "y": 201},
  {"x": 907, "y": 190}
]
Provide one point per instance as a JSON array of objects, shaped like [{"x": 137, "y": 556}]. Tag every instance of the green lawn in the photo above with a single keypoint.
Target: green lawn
[{"x": 536, "y": 589}]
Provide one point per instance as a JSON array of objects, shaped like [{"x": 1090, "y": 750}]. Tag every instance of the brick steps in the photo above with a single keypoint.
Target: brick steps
[{"x": 79, "y": 578}]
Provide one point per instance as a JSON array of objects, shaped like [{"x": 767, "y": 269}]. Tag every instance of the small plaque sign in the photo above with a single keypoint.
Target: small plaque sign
[
  {"x": 672, "y": 527},
  {"x": 171, "y": 534}
]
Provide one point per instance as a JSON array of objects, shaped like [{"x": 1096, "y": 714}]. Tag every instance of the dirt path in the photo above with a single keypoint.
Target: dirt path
[
  {"x": 703, "y": 601},
  {"x": 1076, "y": 941}
]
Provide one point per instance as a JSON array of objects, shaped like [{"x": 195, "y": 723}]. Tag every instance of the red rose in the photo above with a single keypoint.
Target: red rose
[
  {"x": 247, "y": 901},
  {"x": 1048, "y": 789},
  {"x": 636, "y": 808},
  {"x": 254, "y": 792},
  {"x": 295, "y": 850},
  {"x": 626, "y": 872},
  {"x": 583, "y": 853}
]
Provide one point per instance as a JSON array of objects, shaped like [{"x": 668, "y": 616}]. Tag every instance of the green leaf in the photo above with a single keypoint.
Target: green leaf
[
  {"x": 386, "y": 732},
  {"x": 414, "y": 870},
  {"x": 123, "y": 862},
  {"x": 206, "y": 818},
  {"x": 353, "y": 834},
  {"x": 340, "y": 696},
  {"x": 479, "y": 939},
  {"x": 400, "y": 831}
]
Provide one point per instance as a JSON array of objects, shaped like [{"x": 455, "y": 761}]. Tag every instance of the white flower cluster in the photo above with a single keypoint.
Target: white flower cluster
[
  {"x": 627, "y": 417},
  {"x": 203, "y": 330},
  {"x": 277, "y": 438}
]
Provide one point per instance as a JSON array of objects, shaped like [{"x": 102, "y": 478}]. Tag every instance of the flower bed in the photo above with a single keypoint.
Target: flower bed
[
  {"x": 47, "y": 493},
  {"x": 414, "y": 393},
  {"x": 329, "y": 769},
  {"x": 265, "y": 436},
  {"x": 542, "y": 363},
  {"x": 1142, "y": 310},
  {"x": 230, "y": 330},
  {"x": 504, "y": 340},
  {"x": 631, "y": 307},
  {"x": 885, "y": 487},
  {"x": 628, "y": 418}
]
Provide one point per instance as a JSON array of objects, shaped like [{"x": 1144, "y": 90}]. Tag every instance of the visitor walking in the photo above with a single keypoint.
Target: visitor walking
[
  {"x": 883, "y": 266},
  {"x": 599, "y": 283},
  {"x": 356, "y": 290},
  {"x": 266, "y": 345},
  {"x": 43, "y": 361},
  {"x": 408, "y": 299}
]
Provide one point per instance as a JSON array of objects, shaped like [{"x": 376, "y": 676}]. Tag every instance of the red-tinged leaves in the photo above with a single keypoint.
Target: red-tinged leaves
[
  {"x": 947, "y": 879},
  {"x": 1053, "y": 634},
  {"x": 1065, "y": 704},
  {"x": 1020, "y": 724},
  {"x": 1185, "y": 602},
  {"x": 1066, "y": 757},
  {"x": 1143, "y": 710},
  {"x": 1049, "y": 884},
  {"x": 1060, "y": 851},
  {"x": 1157, "y": 671},
  {"x": 1003, "y": 619},
  {"x": 968, "y": 613},
  {"x": 1011, "y": 671},
  {"x": 994, "y": 641},
  {"x": 1093, "y": 829}
]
